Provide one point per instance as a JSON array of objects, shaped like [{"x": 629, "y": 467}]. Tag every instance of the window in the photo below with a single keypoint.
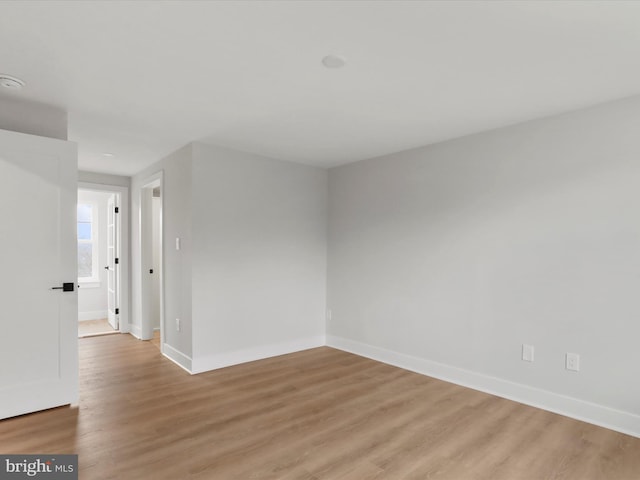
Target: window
[{"x": 87, "y": 243}]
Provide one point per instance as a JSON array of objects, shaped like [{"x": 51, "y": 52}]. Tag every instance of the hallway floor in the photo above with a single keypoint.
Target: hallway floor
[{"x": 90, "y": 328}]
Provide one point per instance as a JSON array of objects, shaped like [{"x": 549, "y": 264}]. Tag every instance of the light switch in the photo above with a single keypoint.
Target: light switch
[{"x": 177, "y": 243}]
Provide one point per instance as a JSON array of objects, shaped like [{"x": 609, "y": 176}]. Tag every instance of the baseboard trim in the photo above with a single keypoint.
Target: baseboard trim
[
  {"x": 618, "y": 420},
  {"x": 177, "y": 357},
  {"x": 94, "y": 315},
  {"x": 136, "y": 331},
  {"x": 213, "y": 362},
  {"x": 124, "y": 327}
]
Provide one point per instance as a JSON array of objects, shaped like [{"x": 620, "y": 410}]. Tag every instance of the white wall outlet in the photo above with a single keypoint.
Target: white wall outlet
[
  {"x": 328, "y": 314},
  {"x": 573, "y": 362},
  {"x": 177, "y": 243},
  {"x": 527, "y": 352},
  {"x": 178, "y": 325}
]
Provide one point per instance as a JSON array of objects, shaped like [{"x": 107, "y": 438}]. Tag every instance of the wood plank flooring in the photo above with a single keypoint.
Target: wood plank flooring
[
  {"x": 321, "y": 414},
  {"x": 89, "y": 328}
]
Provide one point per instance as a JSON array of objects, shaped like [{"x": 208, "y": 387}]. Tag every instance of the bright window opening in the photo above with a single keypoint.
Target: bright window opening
[{"x": 87, "y": 243}]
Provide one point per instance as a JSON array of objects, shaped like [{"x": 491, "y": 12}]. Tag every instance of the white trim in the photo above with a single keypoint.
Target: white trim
[
  {"x": 94, "y": 315},
  {"x": 135, "y": 331},
  {"x": 177, "y": 357},
  {"x": 221, "y": 360},
  {"x": 600, "y": 415},
  {"x": 146, "y": 330},
  {"x": 124, "y": 280}
]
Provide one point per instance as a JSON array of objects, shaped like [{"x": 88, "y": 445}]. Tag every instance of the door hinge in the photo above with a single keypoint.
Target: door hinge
[
  {"x": 117, "y": 311},
  {"x": 117, "y": 261},
  {"x": 117, "y": 209}
]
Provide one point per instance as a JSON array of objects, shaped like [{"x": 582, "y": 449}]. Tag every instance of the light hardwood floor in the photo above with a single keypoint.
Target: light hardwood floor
[
  {"x": 318, "y": 414},
  {"x": 89, "y": 328}
]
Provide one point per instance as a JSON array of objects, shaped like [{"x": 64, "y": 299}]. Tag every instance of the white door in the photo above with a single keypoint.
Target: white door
[
  {"x": 38, "y": 252},
  {"x": 112, "y": 263}
]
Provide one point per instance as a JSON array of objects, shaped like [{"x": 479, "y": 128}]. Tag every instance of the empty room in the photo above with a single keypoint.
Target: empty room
[{"x": 320, "y": 240}]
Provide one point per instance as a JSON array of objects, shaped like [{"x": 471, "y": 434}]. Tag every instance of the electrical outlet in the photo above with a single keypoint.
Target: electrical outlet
[
  {"x": 573, "y": 362},
  {"x": 177, "y": 243},
  {"x": 178, "y": 325},
  {"x": 328, "y": 314},
  {"x": 527, "y": 352}
]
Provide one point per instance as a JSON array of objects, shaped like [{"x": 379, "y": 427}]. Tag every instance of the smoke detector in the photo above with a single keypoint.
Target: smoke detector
[{"x": 13, "y": 83}]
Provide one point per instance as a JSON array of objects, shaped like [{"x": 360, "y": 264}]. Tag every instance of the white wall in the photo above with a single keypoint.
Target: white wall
[
  {"x": 446, "y": 259},
  {"x": 34, "y": 118},
  {"x": 104, "y": 179},
  {"x": 249, "y": 280},
  {"x": 259, "y": 257},
  {"x": 92, "y": 298},
  {"x": 176, "y": 205}
]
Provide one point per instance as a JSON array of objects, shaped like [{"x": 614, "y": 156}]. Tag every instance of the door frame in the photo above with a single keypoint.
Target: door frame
[
  {"x": 145, "y": 211},
  {"x": 123, "y": 242}
]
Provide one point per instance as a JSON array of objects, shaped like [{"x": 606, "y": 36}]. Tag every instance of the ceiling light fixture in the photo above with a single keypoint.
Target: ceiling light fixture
[
  {"x": 107, "y": 154},
  {"x": 334, "y": 61},
  {"x": 13, "y": 83}
]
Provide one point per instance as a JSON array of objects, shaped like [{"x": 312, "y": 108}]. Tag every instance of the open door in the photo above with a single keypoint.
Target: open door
[
  {"x": 38, "y": 254},
  {"x": 112, "y": 267},
  {"x": 151, "y": 259}
]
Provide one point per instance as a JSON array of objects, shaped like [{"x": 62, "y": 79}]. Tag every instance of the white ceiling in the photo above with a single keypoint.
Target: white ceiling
[{"x": 141, "y": 79}]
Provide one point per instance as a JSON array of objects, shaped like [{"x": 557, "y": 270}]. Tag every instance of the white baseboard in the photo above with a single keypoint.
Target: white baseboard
[
  {"x": 213, "y": 362},
  {"x": 124, "y": 326},
  {"x": 624, "y": 422},
  {"x": 95, "y": 315},
  {"x": 136, "y": 331},
  {"x": 177, "y": 357}
]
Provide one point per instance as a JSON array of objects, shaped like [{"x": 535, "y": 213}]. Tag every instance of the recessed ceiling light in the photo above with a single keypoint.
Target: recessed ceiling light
[
  {"x": 107, "y": 154},
  {"x": 334, "y": 61},
  {"x": 13, "y": 83}
]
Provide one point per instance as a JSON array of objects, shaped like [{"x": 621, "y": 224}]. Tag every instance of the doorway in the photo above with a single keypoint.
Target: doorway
[
  {"x": 151, "y": 266},
  {"x": 102, "y": 260}
]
